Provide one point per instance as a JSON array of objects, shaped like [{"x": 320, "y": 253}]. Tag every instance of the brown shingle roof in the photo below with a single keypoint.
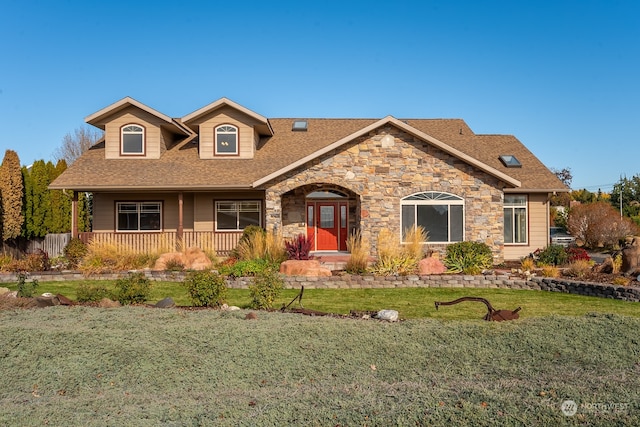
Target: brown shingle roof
[{"x": 181, "y": 168}]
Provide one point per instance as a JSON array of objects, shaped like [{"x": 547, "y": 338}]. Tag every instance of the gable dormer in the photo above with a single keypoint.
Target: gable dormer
[
  {"x": 227, "y": 130},
  {"x": 134, "y": 130}
]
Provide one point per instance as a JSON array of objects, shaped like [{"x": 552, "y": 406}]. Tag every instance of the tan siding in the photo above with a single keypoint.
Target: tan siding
[
  {"x": 104, "y": 209},
  {"x": 204, "y": 206},
  {"x": 153, "y": 137},
  {"x": 538, "y": 211},
  {"x": 230, "y": 116}
]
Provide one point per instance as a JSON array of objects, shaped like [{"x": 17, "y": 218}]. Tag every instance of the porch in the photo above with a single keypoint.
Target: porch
[{"x": 222, "y": 243}]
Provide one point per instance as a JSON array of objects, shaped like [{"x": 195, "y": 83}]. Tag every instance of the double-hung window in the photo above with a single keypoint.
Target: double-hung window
[
  {"x": 226, "y": 140},
  {"x": 139, "y": 216},
  {"x": 515, "y": 219},
  {"x": 132, "y": 140},
  {"x": 441, "y": 215},
  {"x": 237, "y": 215}
]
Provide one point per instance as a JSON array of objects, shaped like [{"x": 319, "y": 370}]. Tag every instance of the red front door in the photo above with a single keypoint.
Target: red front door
[{"x": 327, "y": 225}]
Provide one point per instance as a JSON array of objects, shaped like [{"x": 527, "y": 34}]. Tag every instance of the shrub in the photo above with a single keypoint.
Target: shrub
[
  {"x": 5, "y": 262},
  {"x": 616, "y": 263},
  {"x": 550, "y": 271},
  {"x": 527, "y": 263},
  {"x": 577, "y": 254},
  {"x": 92, "y": 293},
  {"x": 36, "y": 261},
  {"x": 248, "y": 268},
  {"x": 358, "y": 248},
  {"x": 468, "y": 257},
  {"x": 103, "y": 256},
  {"x": 264, "y": 290},
  {"x": 133, "y": 289},
  {"x": 26, "y": 289},
  {"x": 415, "y": 239},
  {"x": 393, "y": 259},
  {"x": 621, "y": 281},
  {"x": 578, "y": 268},
  {"x": 551, "y": 255},
  {"x": 258, "y": 244},
  {"x": 298, "y": 247},
  {"x": 206, "y": 288},
  {"x": 599, "y": 224},
  {"x": 75, "y": 251}
]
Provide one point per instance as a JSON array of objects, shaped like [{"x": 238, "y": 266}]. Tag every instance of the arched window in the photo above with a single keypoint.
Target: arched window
[
  {"x": 440, "y": 214},
  {"x": 132, "y": 139},
  {"x": 226, "y": 140}
]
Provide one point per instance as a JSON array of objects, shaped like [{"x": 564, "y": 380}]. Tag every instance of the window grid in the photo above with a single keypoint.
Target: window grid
[
  {"x": 237, "y": 215},
  {"x": 226, "y": 142},
  {"x": 132, "y": 140},
  {"x": 440, "y": 214},
  {"x": 515, "y": 220},
  {"x": 139, "y": 216}
]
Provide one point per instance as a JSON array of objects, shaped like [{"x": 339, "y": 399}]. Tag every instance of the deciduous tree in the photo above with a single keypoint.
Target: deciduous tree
[
  {"x": 76, "y": 143},
  {"x": 599, "y": 224}
]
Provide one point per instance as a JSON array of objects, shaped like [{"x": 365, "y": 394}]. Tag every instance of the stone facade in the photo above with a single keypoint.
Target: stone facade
[{"x": 377, "y": 175}]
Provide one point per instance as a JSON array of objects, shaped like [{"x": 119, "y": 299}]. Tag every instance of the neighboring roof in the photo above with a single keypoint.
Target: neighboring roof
[{"x": 285, "y": 149}]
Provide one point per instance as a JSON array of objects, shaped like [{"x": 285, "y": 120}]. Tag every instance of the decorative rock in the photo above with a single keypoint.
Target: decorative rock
[
  {"x": 4, "y": 291},
  {"x": 631, "y": 256},
  {"x": 191, "y": 259},
  {"x": 309, "y": 268},
  {"x": 431, "y": 265},
  {"x": 43, "y": 301},
  {"x": 107, "y": 303},
  {"x": 63, "y": 300},
  {"x": 389, "y": 315},
  {"x": 166, "y": 303},
  {"x": 47, "y": 295}
]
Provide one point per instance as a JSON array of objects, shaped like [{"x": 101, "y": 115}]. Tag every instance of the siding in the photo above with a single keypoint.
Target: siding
[
  {"x": 538, "y": 211},
  {"x": 153, "y": 136},
  {"x": 230, "y": 116}
]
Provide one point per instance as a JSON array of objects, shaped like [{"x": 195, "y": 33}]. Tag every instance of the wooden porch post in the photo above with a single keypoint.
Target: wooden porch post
[
  {"x": 180, "y": 233},
  {"x": 74, "y": 215}
]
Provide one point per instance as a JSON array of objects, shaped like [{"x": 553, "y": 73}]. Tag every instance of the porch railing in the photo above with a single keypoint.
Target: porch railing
[{"x": 222, "y": 243}]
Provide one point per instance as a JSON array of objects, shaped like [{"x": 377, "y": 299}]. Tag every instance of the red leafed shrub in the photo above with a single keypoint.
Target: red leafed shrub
[
  {"x": 578, "y": 254},
  {"x": 299, "y": 247}
]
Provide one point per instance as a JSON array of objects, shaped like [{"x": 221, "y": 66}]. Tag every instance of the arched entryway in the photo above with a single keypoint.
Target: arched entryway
[{"x": 327, "y": 219}]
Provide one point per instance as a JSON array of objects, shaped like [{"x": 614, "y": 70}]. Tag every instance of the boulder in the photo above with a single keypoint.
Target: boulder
[
  {"x": 251, "y": 316},
  {"x": 64, "y": 300},
  {"x": 168, "y": 302},
  {"x": 191, "y": 259},
  {"x": 4, "y": 291},
  {"x": 389, "y": 315},
  {"x": 431, "y": 265},
  {"x": 309, "y": 268},
  {"x": 631, "y": 256},
  {"x": 47, "y": 301}
]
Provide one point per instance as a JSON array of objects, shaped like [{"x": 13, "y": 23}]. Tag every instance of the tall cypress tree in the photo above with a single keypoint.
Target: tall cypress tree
[
  {"x": 60, "y": 202},
  {"x": 41, "y": 214},
  {"x": 11, "y": 192}
]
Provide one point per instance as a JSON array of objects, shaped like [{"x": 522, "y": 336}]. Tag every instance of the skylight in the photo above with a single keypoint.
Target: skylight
[
  {"x": 299, "y": 125},
  {"x": 510, "y": 161}
]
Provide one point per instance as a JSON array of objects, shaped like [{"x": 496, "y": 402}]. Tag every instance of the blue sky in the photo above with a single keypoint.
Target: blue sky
[{"x": 562, "y": 76}]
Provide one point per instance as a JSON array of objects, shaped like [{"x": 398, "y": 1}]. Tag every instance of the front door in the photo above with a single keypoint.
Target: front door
[{"x": 327, "y": 225}]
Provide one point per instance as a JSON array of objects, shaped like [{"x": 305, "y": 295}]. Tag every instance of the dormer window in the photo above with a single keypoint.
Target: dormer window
[
  {"x": 132, "y": 140},
  {"x": 226, "y": 140}
]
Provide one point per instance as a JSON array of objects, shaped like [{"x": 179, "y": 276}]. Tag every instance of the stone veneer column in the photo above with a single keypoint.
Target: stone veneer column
[{"x": 273, "y": 211}]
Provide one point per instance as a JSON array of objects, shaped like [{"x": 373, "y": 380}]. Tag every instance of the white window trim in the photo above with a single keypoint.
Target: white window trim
[
  {"x": 526, "y": 215},
  {"x": 138, "y": 211},
  {"x": 236, "y": 202},
  {"x": 142, "y": 132},
  {"x": 441, "y": 198},
  {"x": 215, "y": 140}
]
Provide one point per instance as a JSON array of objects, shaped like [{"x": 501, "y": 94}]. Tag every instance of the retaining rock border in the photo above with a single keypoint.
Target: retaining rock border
[{"x": 626, "y": 293}]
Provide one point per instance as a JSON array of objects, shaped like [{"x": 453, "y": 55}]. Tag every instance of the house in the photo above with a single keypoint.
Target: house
[{"x": 223, "y": 167}]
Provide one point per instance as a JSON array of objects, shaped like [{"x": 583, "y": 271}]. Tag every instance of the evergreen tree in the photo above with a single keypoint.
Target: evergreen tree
[
  {"x": 41, "y": 199},
  {"x": 11, "y": 193},
  {"x": 60, "y": 202}
]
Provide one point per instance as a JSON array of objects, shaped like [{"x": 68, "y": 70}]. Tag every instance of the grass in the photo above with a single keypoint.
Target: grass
[
  {"x": 79, "y": 366},
  {"x": 411, "y": 303}
]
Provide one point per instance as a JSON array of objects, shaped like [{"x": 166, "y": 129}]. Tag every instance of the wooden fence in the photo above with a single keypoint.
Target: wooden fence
[
  {"x": 220, "y": 243},
  {"x": 52, "y": 244}
]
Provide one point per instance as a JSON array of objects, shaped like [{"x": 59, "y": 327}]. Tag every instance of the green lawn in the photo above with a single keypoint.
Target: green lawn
[{"x": 410, "y": 302}]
